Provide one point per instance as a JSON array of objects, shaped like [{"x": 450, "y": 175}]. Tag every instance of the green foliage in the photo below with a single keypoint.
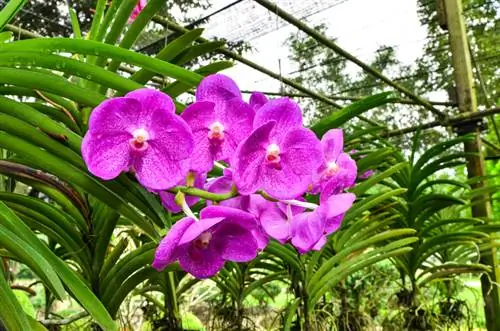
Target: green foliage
[{"x": 91, "y": 242}]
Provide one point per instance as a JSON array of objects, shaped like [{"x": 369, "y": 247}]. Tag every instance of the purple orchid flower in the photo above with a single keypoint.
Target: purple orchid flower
[
  {"x": 338, "y": 170},
  {"x": 168, "y": 199},
  {"x": 257, "y": 100},
  {"x": 220, "y": 120},
  {"x": 368, "y": 173},
  {"x": 142, "y": 133},
  {"x": 137, "y": 10},
  {"x": 222, "y": 234},
  {"x": 280, "y": 155},
  {"x": 310, "y": 229},
  {"x": 250, "y": 203},
  {"x": 276, "y": 219}
]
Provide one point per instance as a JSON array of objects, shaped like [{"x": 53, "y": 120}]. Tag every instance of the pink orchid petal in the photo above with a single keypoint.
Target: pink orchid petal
[
  {"x": 164, "y": 254},
  {"x": 201, "y": 263},
  {"x": 217, "y": 88},
  {"x": 333, "y": 144},
  {"x": 301, "y": 150},
  {"x": 257, "y": 100},
  {"x": 249, "y": 157},
  {"x": 116, "y": 115},
  {"x": 307, "y": 230},
  {"x": 238, "y": 244},
  {"x": 285, "y": 112},
  {"x": 152, "y": 100},
  {"x": 106, "y": 156}
]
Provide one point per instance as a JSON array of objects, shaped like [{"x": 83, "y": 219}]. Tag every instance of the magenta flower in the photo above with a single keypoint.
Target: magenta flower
[
  {"x": 222, "y": 234},
  {"x": 280, "y": 155},
  {"x": 368, "y": 173},
  {"x": 168, "y": 199},
  {"x": 257, "y": 100},
  {"x": 309, "y": 229},
  {"x": 219, "y": 119},
  {"x": 338, "y": 170},
  {"x": 137, "y": 10},
  {"x": 254, "y": 204},
  {"x": 139, "y": 132},
  {"x": 276, "y": 219}
]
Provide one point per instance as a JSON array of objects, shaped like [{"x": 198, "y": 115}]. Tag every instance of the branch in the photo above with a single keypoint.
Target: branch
[
  {"x": 65, "y": 321},
  {"x": 30, "y": 291}
]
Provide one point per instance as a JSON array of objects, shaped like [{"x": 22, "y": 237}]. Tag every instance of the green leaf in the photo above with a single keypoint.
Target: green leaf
[
  {"x": 359, "y": 207},
  {"x": 88, "y": 47},
  {"x": 438, "y": 149},
  {"x": 12, "y": 315},
  {"x": 126, "y": 266},
  {"x": 73, "y": 282},
  {"x": 10, "y": 10},
  {"x": 71, "y": 174},
  {"x": 5, "y": 36},
  {"x": 290, "y": 314},
  {"x": 49, "y": 83},
  {"x": 341, "y": 116},
  {"x": 171, "y": 50},
  {"x": 285, "y": 254},
  {"x": 97, "y": 19},
  {"x": 137, "y": 26},
  {"x": 356, "y": 264},
  {"x": 119, "y": 294},
  {"x": 375, "y": 159},
  {"x": 195, "y": 51},
  {"x": 69, "y": 66},
  {"x": 74, "y": 22},
  {"x": 358, "y": 246},
  {"x": 19, "y": 239},
  {"x": 449, "y": 269},
  {"x": 373, "y": 180},
  {"x": 177, "y": 88},
  {"x": 261, "y": 281},
  {"x": 425, "y": 230}
]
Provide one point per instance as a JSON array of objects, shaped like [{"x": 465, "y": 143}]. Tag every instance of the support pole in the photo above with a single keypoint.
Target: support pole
[{"x": 467, "y": 102}]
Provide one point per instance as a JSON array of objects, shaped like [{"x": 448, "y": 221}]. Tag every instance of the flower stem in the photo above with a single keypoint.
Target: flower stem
[{"x": 204, "y": 194}]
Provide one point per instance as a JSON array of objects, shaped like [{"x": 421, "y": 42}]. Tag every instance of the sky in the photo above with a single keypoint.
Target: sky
[{"x": 360, "y": 27}]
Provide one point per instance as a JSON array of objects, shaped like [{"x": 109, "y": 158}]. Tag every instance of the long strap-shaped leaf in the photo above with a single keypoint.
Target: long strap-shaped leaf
[
  {"x": 75, "y": 285},
  {"x": 12, "y": 315},
  {"x": 69, "y": 66},
  {"x": 10, "y": 11},
  {"x": 88, "y": 47},
  {"x": 50, "y": 163}
]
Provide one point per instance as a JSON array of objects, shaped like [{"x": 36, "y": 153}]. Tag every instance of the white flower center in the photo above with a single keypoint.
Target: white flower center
[
  {"x": 140, "y": 139},
  {"x": 216, "y": 132},
  {"x": 273, "y": 153},
  {"x": 332, "y": 168}
]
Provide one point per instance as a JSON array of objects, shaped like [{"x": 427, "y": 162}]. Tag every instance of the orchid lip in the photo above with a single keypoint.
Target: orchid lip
[
  {"x": 216, "y": 132},
  {"x": 273, "y": 153},
  {"x": 203, "y": 241},
  {"x": 332, "y": 168},
  {"x": 140, "y": 139}
]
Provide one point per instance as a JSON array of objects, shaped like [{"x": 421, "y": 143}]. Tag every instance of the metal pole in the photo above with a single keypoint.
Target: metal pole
[{"x": 481, "y": 205}]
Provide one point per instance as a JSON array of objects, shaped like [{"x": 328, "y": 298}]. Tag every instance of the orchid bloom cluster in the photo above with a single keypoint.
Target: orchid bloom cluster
[{"x": 272, "y": 168}]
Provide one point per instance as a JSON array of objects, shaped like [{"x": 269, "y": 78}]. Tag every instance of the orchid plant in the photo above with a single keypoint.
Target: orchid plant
[
  {"x": 274, "y": 163},
  {"x": 133, "y": 192}
]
